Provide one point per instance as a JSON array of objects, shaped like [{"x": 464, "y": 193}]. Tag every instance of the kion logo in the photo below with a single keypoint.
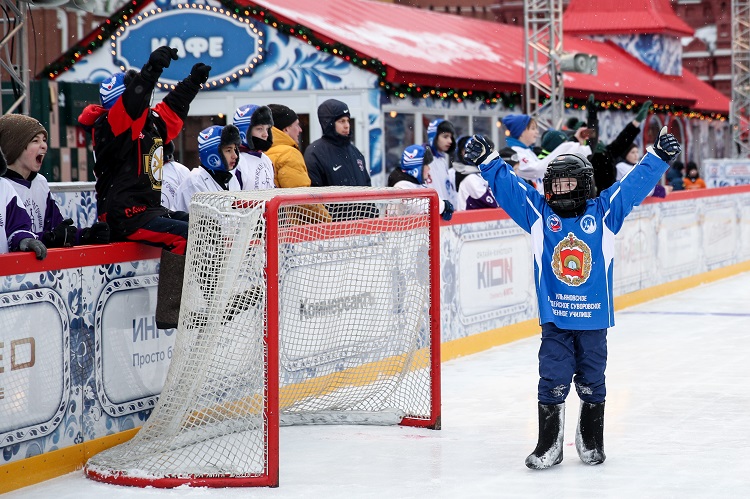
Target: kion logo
[
  {"x": 206, "y": 135},
  {"x": 411, "y": 155}
]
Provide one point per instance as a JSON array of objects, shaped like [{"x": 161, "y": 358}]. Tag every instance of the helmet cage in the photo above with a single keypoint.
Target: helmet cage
[{"x": 569, "y": 166}]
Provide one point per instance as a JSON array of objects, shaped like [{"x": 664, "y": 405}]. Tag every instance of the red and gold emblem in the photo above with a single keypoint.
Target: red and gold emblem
[{"x": 571, "y": 261}]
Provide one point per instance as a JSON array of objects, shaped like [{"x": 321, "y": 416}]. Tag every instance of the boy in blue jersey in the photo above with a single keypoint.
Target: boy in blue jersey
[{"x": 573, "y": 233}]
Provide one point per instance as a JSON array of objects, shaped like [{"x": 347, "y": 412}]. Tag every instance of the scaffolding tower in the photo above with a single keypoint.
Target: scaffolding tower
[
  {"x": 14, "y": 57},
  {"x": 543, "y": 29},
  {"x": 739, "y": 115}
]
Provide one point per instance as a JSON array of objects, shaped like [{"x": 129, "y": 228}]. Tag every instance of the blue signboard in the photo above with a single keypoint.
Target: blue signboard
[{"x": 231, "y": 45}]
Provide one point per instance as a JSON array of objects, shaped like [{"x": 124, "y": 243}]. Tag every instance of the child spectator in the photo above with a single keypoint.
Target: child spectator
[
  {"x": 24, "y": 140},
  {"x": 628, "y": 163},
  {"x": 473, "y": 191},
  {"x": 15, "y": 222},
  {"x": 173, "y": 173},
  {"x": 218, "y": 148},
  {"x": 255, "y": 169},
  {"x": 441, "y": 138},
  {"x": 524, "y": 133},
  {"x": 128, "y": 138},
  {"x": 693, "y": 179},
  {"x": 573, "y": 232},
  {"x": 415, "y": 172}
]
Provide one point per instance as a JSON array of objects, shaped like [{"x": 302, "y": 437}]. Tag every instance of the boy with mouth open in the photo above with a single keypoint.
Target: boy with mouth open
[{"x": 24, "y": 140}]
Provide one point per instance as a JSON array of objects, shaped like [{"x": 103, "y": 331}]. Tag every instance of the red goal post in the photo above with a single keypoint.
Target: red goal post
[{"x": 300, "y": 306}]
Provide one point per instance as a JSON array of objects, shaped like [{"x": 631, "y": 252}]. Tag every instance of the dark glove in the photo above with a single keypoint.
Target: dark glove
[
  {"x": 162, "y": 57},
  {"x": 592, "y": 118},
  {"x": 477, "y": 149},
  {"x": 158, "y": 60},
  {"x": 199, "y": 73},
  {"x": 642, "y": 112},
  {"x": 61, "y": 236},
  {"x": 448, "y": 210},
  {"x": 96, "y": 234},
  {"x": 666, "y": 146},
  {"x": 35, "y": 245}
]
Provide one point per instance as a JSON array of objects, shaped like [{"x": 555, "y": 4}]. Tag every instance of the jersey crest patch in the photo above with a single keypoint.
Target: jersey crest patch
[
  {"x": 571, "y": 261},
  {"x": 554, "y": 223},
  {"x": 588, "y": 224}
]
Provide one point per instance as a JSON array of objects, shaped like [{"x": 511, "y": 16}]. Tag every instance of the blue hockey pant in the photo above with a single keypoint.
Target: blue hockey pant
[{"x": 567, "y": 355}]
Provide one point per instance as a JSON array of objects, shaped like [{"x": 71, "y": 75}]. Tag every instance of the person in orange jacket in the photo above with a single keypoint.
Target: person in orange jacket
[{"x": 693, "y": 180}]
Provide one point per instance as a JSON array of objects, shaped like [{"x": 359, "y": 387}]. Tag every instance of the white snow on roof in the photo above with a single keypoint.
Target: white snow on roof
[{"x": 426, "y": 45}]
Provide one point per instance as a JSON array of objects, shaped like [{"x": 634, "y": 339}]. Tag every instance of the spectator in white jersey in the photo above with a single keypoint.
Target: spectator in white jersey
[
  {"x": 473, "y": 191},
  {"x": 173, "y": 173},
  {"x": 415, "y": 172},
  {"x": 255, "y": 169},
  {"x": 25, "y": 141},
  {"x": 15, "y": 222},
  {"x": 218, "y": 148},
  {"x": 441, "y": 137}
]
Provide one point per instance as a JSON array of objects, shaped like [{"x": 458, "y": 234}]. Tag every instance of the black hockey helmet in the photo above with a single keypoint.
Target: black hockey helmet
[{"x": 573, "y": 202}]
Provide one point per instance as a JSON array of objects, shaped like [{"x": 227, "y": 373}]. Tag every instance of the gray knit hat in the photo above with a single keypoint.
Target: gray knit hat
[{"x": 16, "y": 131}]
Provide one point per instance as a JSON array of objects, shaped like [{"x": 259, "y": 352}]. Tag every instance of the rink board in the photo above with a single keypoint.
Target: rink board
[{"x": 82, "y": 362}]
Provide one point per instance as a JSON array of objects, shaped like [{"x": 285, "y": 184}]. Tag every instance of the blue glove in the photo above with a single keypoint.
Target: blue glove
[
  {"x": 666, "y": 146},
  {"x": 35, "y": 245},
  {"x": 448, "y": 210},
  {"x": 477, "y": 149}
]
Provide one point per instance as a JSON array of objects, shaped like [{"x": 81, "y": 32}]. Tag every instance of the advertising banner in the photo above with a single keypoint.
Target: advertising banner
[
  {"x": 34, "y": 364},
  {"x": 132, "y": 354}
]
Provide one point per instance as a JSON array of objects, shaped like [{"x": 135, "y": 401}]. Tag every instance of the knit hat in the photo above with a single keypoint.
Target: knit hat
[
  {"x": 16, "y": 131},
  {"x": 282, "y": 116},
  {"x": 551, "y": 139},
  {"x": 248, "y": 116},
  {"x": 111, "y": 89},
  {"x": 516, "y": 124},
  {"x": 413, "y": 160}
]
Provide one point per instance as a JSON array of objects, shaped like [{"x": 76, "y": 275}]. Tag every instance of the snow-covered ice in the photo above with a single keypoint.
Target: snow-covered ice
[{"x": 676, "y": 423}]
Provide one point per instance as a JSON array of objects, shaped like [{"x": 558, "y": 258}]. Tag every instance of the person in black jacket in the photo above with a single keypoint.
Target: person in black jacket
[
  {"x": 604, "y": 158},
  {"x": 128, "y": 138},
  {"x": 334, "y": 160}
]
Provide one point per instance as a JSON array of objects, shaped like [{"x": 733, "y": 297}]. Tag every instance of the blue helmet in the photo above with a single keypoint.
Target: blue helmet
[
  {"x": 413, "y": 160},
  {"x": 111, "y": 89},
  {"x": 210, "y": 142},
  {"x": 248, "y": 116}
]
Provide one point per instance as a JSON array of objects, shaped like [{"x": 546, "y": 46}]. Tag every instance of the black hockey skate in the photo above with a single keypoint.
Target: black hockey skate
[
  {"x": 590, "y": 433},
  {"x": 549, "y": 448}
]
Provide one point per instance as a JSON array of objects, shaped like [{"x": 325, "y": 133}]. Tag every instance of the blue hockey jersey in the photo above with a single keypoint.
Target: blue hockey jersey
[{"x": 573, "y": 257}]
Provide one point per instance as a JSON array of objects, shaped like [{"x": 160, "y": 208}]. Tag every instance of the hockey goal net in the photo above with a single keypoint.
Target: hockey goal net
[{"x": 300, "y": 306}]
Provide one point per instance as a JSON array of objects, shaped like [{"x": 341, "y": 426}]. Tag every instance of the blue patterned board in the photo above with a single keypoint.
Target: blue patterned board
[{"x": 49, "y": 396}]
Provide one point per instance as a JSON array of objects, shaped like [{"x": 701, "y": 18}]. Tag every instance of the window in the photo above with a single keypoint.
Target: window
[{"x": 399, "y": 133}]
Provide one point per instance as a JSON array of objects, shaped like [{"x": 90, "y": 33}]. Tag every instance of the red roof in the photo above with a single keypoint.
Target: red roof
[
  {"x": 618, "y": 17},
  {"x": 438, "y": 49},
  {"x": 708, "y": 99}
]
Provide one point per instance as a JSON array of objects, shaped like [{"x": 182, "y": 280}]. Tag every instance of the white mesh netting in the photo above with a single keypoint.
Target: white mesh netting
[{"x": 345, "y": 277}]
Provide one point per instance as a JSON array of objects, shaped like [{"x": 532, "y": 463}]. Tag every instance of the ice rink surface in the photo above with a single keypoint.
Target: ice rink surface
[{"x": 677, "y": 423}]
